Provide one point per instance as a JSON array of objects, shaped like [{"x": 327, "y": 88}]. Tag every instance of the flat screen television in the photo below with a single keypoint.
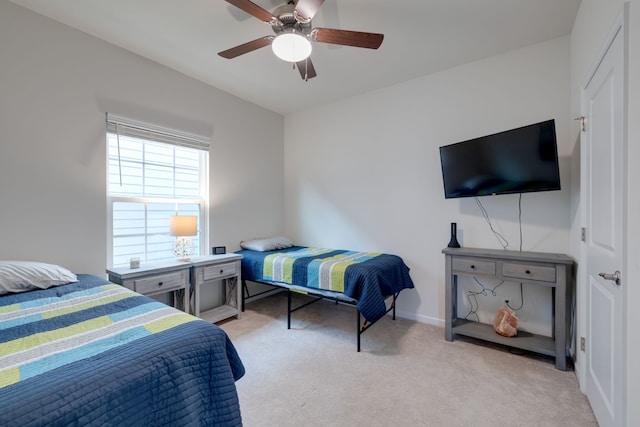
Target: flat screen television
[{"x": 519, "y": 160}]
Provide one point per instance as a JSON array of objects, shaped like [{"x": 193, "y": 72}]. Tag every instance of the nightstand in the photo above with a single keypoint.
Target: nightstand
[
  {"x": 217, "y": 270},
  {"x": 156, "y": 278}
]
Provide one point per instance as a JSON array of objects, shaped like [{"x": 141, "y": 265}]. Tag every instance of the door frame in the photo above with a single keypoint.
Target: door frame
[{"x": 621, "y": 26}]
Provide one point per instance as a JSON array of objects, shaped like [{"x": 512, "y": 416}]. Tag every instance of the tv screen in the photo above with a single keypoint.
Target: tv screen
[{"x": 515, "y": 161}]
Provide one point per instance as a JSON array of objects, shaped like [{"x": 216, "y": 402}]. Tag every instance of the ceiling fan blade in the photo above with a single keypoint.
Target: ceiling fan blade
[
  {"x": 307, "y": 71},
  {"x": 246, "y": 47},
  {"x": 306, "y": 9},
  {"x": 347, "y": 38},
  {"x": 252, "y": 9}
]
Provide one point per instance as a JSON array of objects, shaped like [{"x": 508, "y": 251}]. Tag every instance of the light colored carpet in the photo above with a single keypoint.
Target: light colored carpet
[{"x": 405, "y": 375}]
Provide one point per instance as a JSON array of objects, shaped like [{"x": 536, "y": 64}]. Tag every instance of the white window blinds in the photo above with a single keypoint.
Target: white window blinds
[{"x": 147, "y": 131}]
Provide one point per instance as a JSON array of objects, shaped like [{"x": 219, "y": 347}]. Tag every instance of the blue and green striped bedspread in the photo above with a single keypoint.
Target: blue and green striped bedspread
[
  {"x": 95, "y": 353},
  {"x": 366, "y": 277}
]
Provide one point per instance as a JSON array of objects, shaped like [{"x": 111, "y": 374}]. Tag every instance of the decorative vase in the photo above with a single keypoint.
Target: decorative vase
[{"x": 453, "y": 243}]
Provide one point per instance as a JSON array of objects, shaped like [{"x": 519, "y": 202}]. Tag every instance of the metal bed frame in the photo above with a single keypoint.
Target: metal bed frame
[{"x": 361, "y": 327}]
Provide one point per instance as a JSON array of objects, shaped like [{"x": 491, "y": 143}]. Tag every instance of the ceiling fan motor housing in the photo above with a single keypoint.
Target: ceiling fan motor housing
[{"x": 287, "y": 20}]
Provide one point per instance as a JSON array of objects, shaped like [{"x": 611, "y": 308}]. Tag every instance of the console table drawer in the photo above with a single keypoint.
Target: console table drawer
[
  {"x": 160, "y": 282},
  {"x": 219, "y": 271},
  {"x": 530, "y": 272},
  {"x": 471, "y": 265}
]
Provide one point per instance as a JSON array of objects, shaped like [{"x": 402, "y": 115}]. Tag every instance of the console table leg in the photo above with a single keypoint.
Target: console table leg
[
  {"x": 450, "y": 297},
  {"x": 560, "y": 321}
]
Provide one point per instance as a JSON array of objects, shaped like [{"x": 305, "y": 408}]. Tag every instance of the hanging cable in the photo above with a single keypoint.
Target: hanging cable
[
  {"x": 501, "y": 239},
  {"x": 521, "y": 300},
  {"x": 520, "y": 224},
  {"x": 520, "y": 218},
  {"x": 306, "y": 69},
  {"x": 472, "y": 297},
  {"x": 117, "y": 129},
  {"x": 119, "y": 160}
]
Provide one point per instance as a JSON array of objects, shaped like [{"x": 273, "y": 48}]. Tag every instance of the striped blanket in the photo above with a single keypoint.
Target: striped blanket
[
  {"x": 95, "y": 351},
  {"x": 366, "y": 277},
  {"x": 325, "y": 270},
  {"x": 35, "y": 348}
]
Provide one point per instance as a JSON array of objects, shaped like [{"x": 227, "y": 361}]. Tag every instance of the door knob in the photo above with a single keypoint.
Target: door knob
[{"x": 615, "y": 277}]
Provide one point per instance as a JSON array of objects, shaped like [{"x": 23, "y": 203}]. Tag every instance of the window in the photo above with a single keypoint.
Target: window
[{"x": 153, "y": 173}]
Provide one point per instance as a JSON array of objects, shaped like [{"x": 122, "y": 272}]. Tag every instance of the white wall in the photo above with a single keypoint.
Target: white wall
[
  {"x": 364, "y": 173},
  {"x": 55, "y": 86},
  {"x": 594, "y": 20}
]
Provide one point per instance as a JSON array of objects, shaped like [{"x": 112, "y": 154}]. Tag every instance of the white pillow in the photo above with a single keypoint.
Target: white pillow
[
  {"x": 21, "y": 276},
  {"x": 267, "y": 244}
]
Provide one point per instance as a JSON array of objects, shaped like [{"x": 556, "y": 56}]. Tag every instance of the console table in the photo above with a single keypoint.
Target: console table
[{"x": 531, "y": 268}]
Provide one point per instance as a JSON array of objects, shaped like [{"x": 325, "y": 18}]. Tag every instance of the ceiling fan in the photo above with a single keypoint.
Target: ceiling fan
[{"x": 294, "y": 33}]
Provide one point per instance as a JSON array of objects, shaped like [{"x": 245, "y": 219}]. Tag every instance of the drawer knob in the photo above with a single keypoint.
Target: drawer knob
[
  {"x": 160, "y": 283},
  {"x": 221, "y": 271},
  {"x": 473, "y": 266},
  {"x": 527, "y": 272}
]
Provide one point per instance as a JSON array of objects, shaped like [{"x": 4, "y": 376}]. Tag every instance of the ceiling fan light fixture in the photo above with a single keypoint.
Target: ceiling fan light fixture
[{"x": 291, "y": 46}]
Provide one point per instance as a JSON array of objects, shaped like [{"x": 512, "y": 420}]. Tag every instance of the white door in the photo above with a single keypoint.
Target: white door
[{"x": 603, "y": 111}]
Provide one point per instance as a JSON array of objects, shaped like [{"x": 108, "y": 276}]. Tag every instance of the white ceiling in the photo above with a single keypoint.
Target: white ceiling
[{"x": 421, "y": 37}]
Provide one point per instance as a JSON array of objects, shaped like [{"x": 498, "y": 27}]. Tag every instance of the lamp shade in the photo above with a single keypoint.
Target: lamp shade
[
  {"x": 291, "y": 46},
  {"x": 183, "y": 225}
]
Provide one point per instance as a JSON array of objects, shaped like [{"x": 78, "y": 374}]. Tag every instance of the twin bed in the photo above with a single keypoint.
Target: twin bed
[
  {"x": 95, "y": 353},
  {"x": 365, "y": 280}
]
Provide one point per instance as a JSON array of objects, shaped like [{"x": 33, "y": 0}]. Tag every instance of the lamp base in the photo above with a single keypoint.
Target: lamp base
[{"x": 182, "y": 248}]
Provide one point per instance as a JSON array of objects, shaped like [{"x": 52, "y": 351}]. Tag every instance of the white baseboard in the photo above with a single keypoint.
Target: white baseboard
[{"x": 420, "y": 318}]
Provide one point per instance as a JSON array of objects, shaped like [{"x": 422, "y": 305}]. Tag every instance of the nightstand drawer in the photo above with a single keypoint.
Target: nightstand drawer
[
  {"x": 160, "y": 283},
  {"x": 531, "y": 272},
  {"x": 218, "y": 271},
  {"x": 471, "y": 265}
]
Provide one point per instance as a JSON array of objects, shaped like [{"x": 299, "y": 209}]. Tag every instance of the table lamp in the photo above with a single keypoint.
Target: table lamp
[{"x": 182, "y": 226}]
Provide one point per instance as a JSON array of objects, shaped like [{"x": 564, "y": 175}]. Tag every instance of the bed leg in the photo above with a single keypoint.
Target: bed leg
[
  {"x": 394, "y": 306},
  {"x": 358, "y": 327},
  {"x": 244, "y": 289},
  {"x": 288, "y": 308}
]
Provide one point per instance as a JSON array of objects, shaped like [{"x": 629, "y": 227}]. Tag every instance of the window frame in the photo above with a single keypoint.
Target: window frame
[{"x": 167, "y": 136}]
